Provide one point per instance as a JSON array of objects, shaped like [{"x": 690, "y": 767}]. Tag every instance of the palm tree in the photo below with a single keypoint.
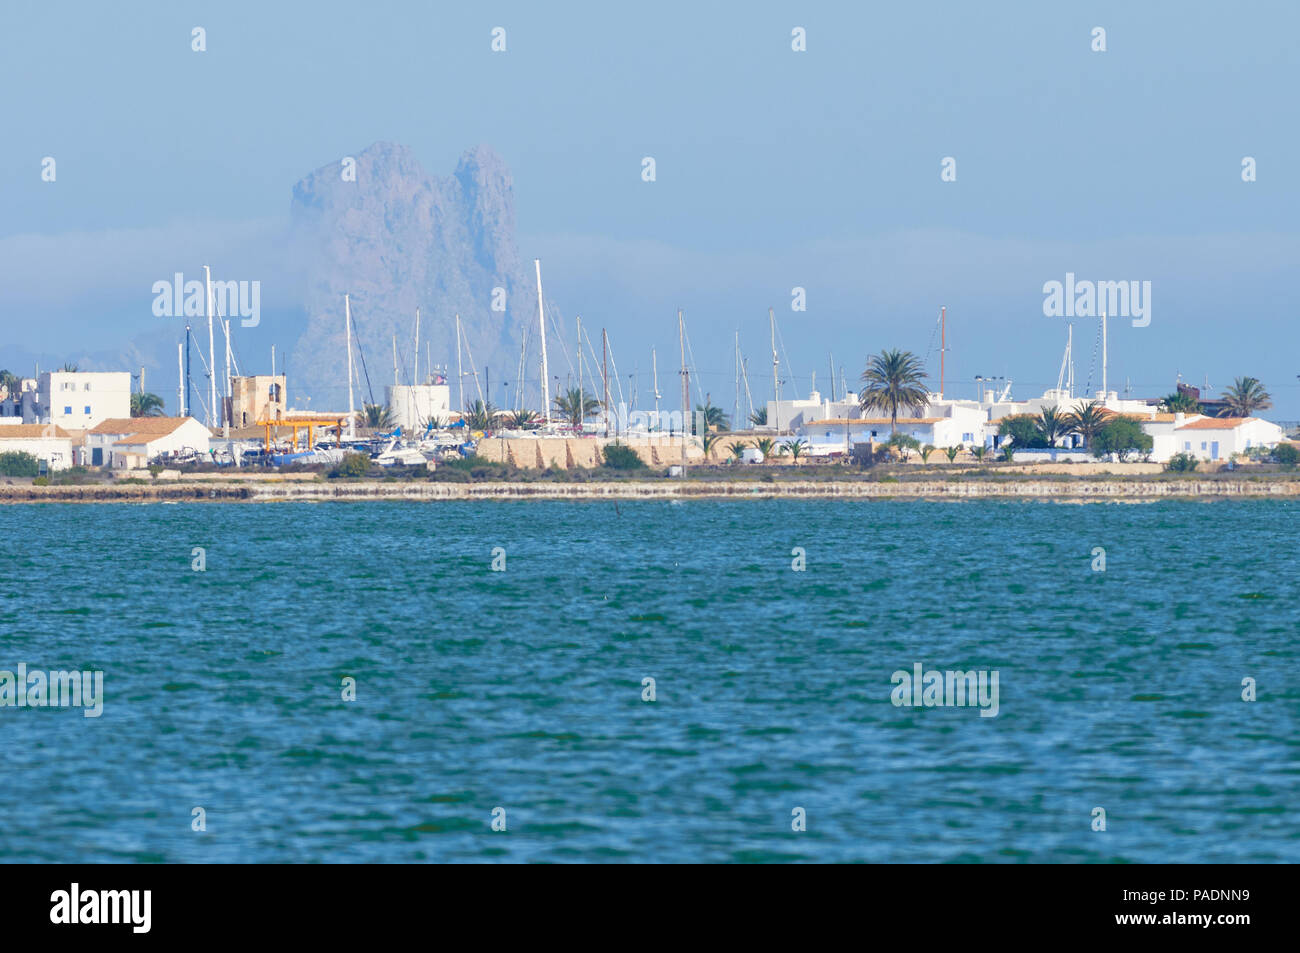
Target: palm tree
[
  {"x": 146, "y": 405},
  {"x": 737, "y": 447},
  {"x": 524, "y": 419},
  {"x": 893, "y": 379},
  {"x": 795, "y": 448},
  {"x": 1051, "y": 423},
  {"x": 479, "y": 416},
  {"x": 710, "y": 438},
  {"x": 1088, "y": 421},
  {"x": 377, "y": 416},
  {"x": 1180, "y": 403},
  {"x": 576, "y": 405},
  {"x": 69, "y": 367},
  {"x": 435, "y": 421},
  {"x": 926, "y": 451},
  {"x": 1244, "y": 396},
  {"x": 714, "y": 418},
  {"x": 766, "y": 446},
  {"x": 1008, "y": 453},
  {"x": 759, "y": 417},
  {"x": 952, "y": 453},
  {"x": 10, "y": 383},
  {"x": 978, "y": 452}
]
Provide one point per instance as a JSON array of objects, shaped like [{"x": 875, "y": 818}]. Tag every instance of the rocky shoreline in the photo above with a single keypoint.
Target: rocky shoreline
[{"x": 358, "y": 490}]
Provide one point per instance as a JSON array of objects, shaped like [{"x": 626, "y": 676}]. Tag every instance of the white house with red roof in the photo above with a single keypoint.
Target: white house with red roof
[{"x": 134, "y": 442}]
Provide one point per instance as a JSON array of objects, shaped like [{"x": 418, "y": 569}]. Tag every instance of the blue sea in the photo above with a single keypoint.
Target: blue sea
[{"x": 519, "y": 695}]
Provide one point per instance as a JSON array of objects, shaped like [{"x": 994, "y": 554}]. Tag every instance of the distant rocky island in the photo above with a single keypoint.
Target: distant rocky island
[{"x": 398, "y": 238}]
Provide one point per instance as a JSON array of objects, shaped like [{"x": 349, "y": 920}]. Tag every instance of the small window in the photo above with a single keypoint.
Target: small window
[
  {"x": 67, "y": 410},
  {"x": 1187, "y": 445},
  {"x": 1202, "y": 444},
  {"x": 87, "y": 410}
]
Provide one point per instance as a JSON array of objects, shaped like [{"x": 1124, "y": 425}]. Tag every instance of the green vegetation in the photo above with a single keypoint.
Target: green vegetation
[
  {"x": 16, "y": 463},
  {"x": 1244, "y": 397},
  {"x": 714, "y": 418},
  {"x": 1051, "y": 424},
  {"x": 766, "y": 446},
  {"x": 576, "y": 405},
  {"x": 524, "y": 420},
  {"x": 736, "y": 448},
  {"x": 352, "y": 465},
  {"x": 480, "y": 416},
  {"x": 759, "y": 418},
  {"x": 952, "y": 453},
  {"x": 893, "y": 380},
  {"x": 378, "y": 416},
  {"x": 1122, "y": 436},
  {"x": 796, "y": 448},
  {"x": 926, "y": 451},
  {"x": 1181, "y": 463},
  {"x": 1180, "y": 403},
  {"x": 1023, "y": 431},
  {"x": 619, "y": 456},
  {"x": 1287, "y": 455},
  {"x": 903, "y": 443},
  {"x": 1088, "y": 421},
  {"x": 146, "y": 405}
]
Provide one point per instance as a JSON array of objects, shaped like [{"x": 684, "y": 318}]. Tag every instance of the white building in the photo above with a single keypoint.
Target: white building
[
  {"x": 78, "y": 401},
  {"x": 788, "y": 416},
  {"x": 1218, "y": 438},
  {"x": 411, "y": 406},
  {"x": 44, "y": 442},
  {"x": 132, "y": 442}
]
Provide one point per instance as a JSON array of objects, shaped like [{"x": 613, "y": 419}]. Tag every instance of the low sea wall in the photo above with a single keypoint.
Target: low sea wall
[{"x": 662, "y": 488}]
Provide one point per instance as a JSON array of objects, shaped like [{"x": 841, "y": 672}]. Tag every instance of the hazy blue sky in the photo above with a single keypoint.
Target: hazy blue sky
[{"x": 776, "y": 169}]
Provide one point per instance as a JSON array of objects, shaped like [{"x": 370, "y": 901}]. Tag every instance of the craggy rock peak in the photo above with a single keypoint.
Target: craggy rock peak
[{"x": 396, "y": 239}]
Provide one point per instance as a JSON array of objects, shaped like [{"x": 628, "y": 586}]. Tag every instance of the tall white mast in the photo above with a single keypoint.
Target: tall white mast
[
  {"x": 352, "y": 416},
  {"x": 226, "y": 403},
  {"x": 581, "y": 407},
  {"x": 415, "y": 371},
  {"x": 654, "y": 365},
  {"x": 180, "y": 379},
  {"x": 1105, "y": 392},
  {"x": 686, "y": 389},
  {"x": 212, "y": 349},
  {"x": 776, "y": 383},
  {"x": 460, "y": 376},
  {"x": 541, "y": 323},
  {"x": 735, "y": 406}
]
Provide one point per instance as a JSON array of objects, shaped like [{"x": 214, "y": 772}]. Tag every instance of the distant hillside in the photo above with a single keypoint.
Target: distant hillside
[{"x": 396, "y": 239}]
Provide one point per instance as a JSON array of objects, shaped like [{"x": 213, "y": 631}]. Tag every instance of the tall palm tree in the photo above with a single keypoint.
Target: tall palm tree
[
  {"x": 479, "y": 416},
  {"x": 576, "y": 405},
  {"x": 759, "y": 417},
  {"x": 714, "y": 418},
  {"x": 377, "y": 416},
  {"x": 1245, "y": 396},
  {"x": 893, "y": 379},
  {"x": 1087, "y": 421},
  {"x": 524, "y": 419},
  {"x": 146, "y": 405},
  {"x": 1180, "y": 403},
  {"x": 10, "y": 382},
  {"x": 796, "y": 448},
  {"x": 69, "y": 367},
  {"x": 1051, "y": 423}
]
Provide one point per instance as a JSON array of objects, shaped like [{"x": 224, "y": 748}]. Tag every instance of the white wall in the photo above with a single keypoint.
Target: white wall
[{"x": 79, "y": 401}]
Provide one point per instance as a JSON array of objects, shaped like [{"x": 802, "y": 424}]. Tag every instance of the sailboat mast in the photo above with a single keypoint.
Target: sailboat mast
[
  {"x": 180, "y": 379},
  {"x": 347, "y": 331},
  {"x": 943, "y": 345},
  {"x": 686, "y": 388},
  {"x": 1105, "y": 393},
  {"x": 776, "y": 382},
  {"x": 541, "y": 323},
  {"x": 654, "y": 371},
  {"x": 460, "y": 376},
  {"x": 212, "y": 349},
  {"x": 415, "y": 371},
  {"x": 581, "y": 406},
  {"x": 226, "y": 403}
]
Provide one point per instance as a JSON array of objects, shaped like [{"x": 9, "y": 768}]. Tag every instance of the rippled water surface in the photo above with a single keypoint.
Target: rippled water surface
[{"x": 522, "y": 689}]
